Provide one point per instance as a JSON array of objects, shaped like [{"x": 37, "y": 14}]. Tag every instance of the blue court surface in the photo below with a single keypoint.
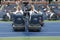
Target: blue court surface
[{"x": 49, "y": 29}]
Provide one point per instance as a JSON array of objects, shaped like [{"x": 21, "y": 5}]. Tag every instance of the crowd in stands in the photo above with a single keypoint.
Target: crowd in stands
[{"x": 50, "y": 14}]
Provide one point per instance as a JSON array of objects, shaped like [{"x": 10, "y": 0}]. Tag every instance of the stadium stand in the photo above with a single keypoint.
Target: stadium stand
[{"x": 10, "y": 7}]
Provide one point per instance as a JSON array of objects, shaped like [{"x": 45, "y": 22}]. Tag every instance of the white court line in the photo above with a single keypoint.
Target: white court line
[
  {"x": 33, "y": 37},
  {"x": 25, "y": 32}
]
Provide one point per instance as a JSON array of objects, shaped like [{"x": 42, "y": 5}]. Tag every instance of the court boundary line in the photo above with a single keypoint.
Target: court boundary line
[{"x": 33, "y": 37}]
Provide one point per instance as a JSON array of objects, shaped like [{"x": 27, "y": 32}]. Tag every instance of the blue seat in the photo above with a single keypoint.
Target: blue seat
[
  {"x": 57, "y": 11},
  {"x": 53, "y": 5},
  {"x": 34, "y": 19},
  {"x": 18, "y": 18},
  {"x": 18, "y": 22},
  {"x": 34, "y": 25},
  {"x": 2, "y": 14}
]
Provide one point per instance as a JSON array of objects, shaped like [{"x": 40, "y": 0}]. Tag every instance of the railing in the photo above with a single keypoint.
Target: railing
[
  {"x": 32, "y": 2},
  {"x": 58, "y": 2}
]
